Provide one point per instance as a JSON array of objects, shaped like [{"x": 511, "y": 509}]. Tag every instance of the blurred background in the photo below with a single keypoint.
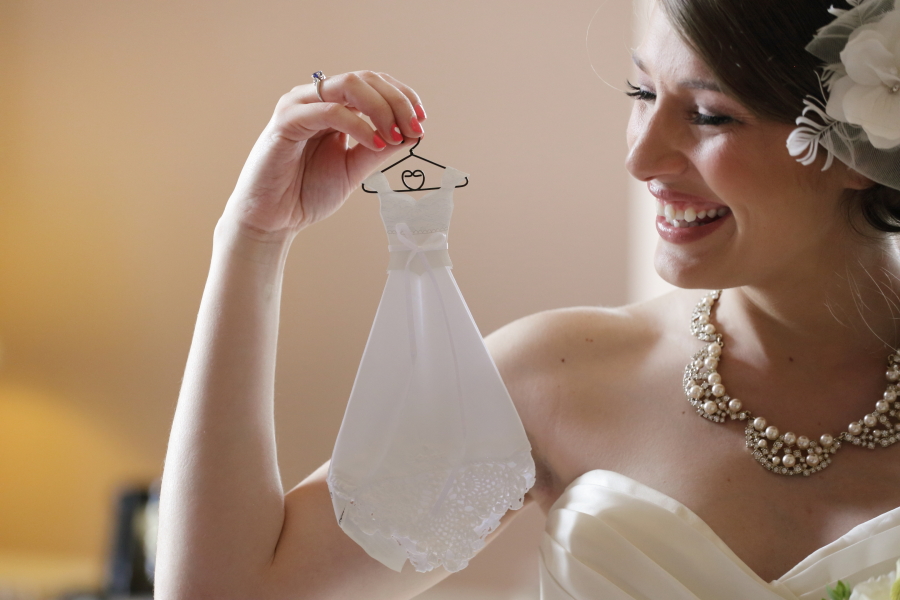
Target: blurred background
[{"x": 123, "y": 127}]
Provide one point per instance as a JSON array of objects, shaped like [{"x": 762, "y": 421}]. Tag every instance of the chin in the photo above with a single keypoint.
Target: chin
[{"x": 688, "y": 271}]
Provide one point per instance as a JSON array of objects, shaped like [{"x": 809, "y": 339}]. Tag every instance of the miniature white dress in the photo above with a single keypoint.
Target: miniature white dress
[{"x": 431, "y": 452}]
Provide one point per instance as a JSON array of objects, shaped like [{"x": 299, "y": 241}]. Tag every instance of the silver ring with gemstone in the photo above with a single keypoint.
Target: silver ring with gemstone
[{"x": 319, "y": 77}]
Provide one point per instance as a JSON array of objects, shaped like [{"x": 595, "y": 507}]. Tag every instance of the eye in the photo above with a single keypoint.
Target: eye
[
  {"x": 714, "y": 120},
  {"x": 639, "y": 93}
]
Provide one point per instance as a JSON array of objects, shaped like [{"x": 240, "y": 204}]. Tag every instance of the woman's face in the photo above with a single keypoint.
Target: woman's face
[{"x": 734, "y": 207}]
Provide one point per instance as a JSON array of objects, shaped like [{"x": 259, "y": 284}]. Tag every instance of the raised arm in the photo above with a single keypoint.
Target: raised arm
[{"x": 227, "y": 529}]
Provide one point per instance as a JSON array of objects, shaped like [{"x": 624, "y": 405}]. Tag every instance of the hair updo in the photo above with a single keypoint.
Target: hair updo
[{"x": 756, "y": 50}]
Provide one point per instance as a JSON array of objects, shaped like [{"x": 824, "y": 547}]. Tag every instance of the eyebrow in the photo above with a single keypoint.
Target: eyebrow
[{"x": 692, "y": 84}]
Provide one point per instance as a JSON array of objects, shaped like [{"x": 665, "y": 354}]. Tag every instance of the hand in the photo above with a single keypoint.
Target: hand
[{"x": 302, "y": 169}]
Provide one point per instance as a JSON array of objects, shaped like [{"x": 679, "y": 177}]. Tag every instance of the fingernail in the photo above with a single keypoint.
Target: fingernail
[
  {"x": 416, "y": 126},
  {"x": 420, "y": 112},
  {"x": 395, "y": 133},
  {"x": 379, "y": 143}
]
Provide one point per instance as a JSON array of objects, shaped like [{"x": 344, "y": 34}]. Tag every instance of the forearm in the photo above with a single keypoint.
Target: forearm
[{"x": 222, "y": 503}]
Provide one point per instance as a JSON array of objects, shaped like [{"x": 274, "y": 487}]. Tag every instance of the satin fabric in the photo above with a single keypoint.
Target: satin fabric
[{"x": 609, "y": 537}]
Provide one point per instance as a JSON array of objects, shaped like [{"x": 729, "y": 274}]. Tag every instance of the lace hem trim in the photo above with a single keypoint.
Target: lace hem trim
[{"x": 439, "y": 516}]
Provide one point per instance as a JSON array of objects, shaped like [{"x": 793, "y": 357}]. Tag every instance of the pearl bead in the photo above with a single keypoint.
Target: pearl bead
[
  {"x": 890, "y": 395},
  {"x": 714, "y": 378},
  {"x": 826, "y": 440},
  {"x": 759, "y": 424},
  {"x": 695, "y": 392},
  {"x": 812, "y": 460},
  {"x": 855, "y": 428},
  {"x": 718, "y": 390},
  {"x": 735, "y": 405},
  {"x": 711, "y": 363},
  {"x": 762, "y": 444},
  {"x": 715, "y": 350},
  {"x": 870, "y": 420},
  {"x": 819, "y": 450},
  {"x": 789, "y": 460},
  {"x": 882, "y": 406},
  {"x": 710, "y": 407},
  {"x": 706, "y": 301},
  {"x": 772, "y": 432},
  {"x": 703, "y": 319},
  {"x": 776, "y": 460},
  {"x": 892, "y": 374},
  {"x": 789, "y": 438},
  {"x": 897, "y": 426},
  {"x": 709, "y": 329},
  {"x": 803, "y": 442}
]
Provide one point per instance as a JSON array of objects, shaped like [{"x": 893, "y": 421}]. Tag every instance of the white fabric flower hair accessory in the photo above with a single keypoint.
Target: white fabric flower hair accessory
[{"x": 859, "y": 121}]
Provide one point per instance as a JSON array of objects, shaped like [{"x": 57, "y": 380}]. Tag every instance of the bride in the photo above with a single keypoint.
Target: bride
[{"x": 643, "y": 466}]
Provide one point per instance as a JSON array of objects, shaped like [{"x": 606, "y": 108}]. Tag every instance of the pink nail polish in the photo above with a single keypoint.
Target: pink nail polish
[
  {"x": 379, "y": 143},
  {"x": 395, "y": 133},
  {"x": 420, "y": 112},
  {"x": 416, "y": 126}
]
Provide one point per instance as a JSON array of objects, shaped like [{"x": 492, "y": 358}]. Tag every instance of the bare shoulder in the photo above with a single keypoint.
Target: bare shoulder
[
  {"x": 547, "y": 346},
  {"x": 578, "y": 365}
]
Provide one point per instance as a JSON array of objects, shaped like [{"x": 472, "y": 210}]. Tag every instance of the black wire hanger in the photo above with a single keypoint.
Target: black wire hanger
[{"x": 415, "y": 174}]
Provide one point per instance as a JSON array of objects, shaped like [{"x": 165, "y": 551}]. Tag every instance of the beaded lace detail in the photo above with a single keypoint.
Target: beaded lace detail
[{"x": 441, "y": 515}]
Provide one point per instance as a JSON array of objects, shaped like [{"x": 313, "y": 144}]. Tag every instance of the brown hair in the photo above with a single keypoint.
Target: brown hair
[{"x": 756, "y": 50}]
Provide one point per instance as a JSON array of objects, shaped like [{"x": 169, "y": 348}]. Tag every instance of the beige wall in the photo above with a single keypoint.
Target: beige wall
[
  {"x": 642, "y": 279},
  {"x": 123, "y": 126}
]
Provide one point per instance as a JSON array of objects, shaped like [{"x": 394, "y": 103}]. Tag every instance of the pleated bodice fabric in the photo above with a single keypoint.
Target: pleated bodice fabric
[{"x": 609, "y": 537}]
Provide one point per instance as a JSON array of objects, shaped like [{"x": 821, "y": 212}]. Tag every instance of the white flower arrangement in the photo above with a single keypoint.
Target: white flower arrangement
[
  {"x": 857, "y": 120},
  {"x": 883, "y": 587},
  {"x": 866, "y": 90}
]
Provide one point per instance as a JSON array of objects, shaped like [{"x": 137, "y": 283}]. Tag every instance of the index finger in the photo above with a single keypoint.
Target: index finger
[{"x": 409, "y": 93}]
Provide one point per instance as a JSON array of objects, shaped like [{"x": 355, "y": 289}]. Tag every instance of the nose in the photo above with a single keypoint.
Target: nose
[{"x": 655, "y": 148}]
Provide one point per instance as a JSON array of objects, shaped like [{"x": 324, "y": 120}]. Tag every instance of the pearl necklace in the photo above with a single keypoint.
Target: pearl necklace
[{"x": 787, "y": 453}]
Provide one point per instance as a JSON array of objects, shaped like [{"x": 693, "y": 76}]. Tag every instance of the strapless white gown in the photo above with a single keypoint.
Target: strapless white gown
[{"x": 609, "y": 537}]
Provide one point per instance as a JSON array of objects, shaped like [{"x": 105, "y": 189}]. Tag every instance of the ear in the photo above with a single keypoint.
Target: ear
[{"x": 854, "y": 180}]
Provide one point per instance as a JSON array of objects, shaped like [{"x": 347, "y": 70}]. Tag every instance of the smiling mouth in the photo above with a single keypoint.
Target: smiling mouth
[{"x": 685, "y": 215}]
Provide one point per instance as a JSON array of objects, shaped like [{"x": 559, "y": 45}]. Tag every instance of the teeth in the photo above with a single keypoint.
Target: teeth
[{"x": 688, "y": 217}]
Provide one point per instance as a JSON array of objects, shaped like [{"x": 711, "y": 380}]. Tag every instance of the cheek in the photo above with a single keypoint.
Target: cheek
[
  {"x": 771, "y": 196},
  {"x": 745, "y": 175}
]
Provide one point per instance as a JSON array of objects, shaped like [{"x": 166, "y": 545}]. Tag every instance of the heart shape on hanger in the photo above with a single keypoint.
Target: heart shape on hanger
[{"x": 417, "y": 174}]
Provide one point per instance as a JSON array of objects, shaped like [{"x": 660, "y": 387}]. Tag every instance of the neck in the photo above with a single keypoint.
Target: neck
[{"x": 845, "y": 315}]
